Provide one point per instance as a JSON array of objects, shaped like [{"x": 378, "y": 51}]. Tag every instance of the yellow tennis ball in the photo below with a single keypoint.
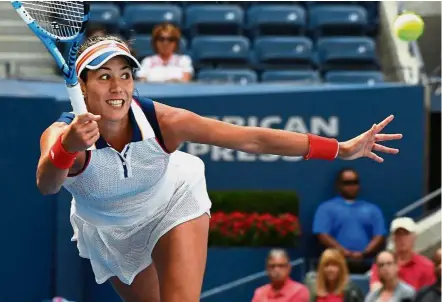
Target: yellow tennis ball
[{"x": 408, "y": 26}]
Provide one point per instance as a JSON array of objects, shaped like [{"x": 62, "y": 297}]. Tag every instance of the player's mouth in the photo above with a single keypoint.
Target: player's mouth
[{"x": 116, "y": 103}]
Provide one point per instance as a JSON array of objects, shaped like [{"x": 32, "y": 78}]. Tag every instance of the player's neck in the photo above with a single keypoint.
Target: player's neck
[{"x": 117, "y": 134}]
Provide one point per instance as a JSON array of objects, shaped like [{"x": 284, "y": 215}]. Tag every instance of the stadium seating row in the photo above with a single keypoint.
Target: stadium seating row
[
  {"x": 331, "y": 53},
  {"x": 231, "y": 19},
  {"x": 248, "y": 76}
]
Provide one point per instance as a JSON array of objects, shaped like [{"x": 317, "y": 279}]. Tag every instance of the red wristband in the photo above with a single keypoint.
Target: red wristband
[
  {"x": 61, "y": 158},
  {"x": 321, "y": 147}
]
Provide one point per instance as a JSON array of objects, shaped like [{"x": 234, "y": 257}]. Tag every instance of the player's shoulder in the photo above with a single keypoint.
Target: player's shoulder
[{"x": 143, "y": 102}]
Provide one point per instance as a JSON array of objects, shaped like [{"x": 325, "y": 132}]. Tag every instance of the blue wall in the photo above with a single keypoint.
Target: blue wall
[{"x": 36, "y": 232}]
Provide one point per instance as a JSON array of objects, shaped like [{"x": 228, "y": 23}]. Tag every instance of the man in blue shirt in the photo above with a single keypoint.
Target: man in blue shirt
[{"x": 354, "y": 226}]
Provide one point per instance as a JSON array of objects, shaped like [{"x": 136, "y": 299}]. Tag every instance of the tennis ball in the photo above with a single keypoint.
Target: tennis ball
[{"x": 408, "y": 27}]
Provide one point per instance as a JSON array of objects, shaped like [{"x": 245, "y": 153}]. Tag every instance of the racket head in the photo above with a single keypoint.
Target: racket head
[
  {"x": 59, "y": 21},
  {"x": 63, "y": 21}
]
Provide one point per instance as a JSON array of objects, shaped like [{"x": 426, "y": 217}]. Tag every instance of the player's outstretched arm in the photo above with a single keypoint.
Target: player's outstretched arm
[
  {"x": 62, "y": 149},
  {"x": 180, "y": 125}
]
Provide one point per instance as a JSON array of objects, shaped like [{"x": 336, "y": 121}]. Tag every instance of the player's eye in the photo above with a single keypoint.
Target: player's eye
[
  {"x": 104, "y": 77},
  {"x": 125, "y": 76}
]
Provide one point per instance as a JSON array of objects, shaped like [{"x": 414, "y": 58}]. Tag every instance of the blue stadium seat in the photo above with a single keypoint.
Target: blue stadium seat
[
  {"x": 337, "y": 20},
  {"x": 316, "y": 3},
  {"x": 107, "y": 15},
  {"x": 238, "y": 76},
  {"x": 214, "y": 19},
  {"x": 361, "y": 281},
  {"x": 220, "y": 50},
  {"x": 276, "y": 20},
  {"x": 141, "y": 18},
  {"x": 346, "y": 53},
  {"x": 372, "y": 8},
  {"x": 142, "y": 46},
  {"x": 309, "y": 76},
  {"x": 285, "y": 52},
  {"x": 341, "y": 77}
]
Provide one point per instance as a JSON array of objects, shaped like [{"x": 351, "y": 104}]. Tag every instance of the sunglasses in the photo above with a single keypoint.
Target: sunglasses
[
  {"x": 384, "y": 264},
  {"x": 353, "y": 182},
  {"x": 279, "y": 265},
  {"x": 166, "y": 39}
]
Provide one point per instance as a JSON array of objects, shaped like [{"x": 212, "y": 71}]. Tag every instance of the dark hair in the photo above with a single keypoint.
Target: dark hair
[
  {"x": 341, "y": 172},
  {"x": 94, "y": 40},
  {"x": 92, "y": 28}
]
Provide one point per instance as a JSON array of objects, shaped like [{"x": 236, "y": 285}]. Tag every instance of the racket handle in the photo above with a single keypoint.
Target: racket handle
[{"x": 77, "y": 100}]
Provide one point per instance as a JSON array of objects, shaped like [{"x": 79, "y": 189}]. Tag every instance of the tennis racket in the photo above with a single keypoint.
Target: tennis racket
[{"x": 59, "y": 22}]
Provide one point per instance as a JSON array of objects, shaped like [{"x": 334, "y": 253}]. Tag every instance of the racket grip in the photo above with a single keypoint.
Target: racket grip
[{"x": 77, "y": 100}]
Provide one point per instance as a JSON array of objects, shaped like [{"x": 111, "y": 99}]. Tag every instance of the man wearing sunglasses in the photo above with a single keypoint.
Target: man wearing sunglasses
[{"x": 346, "y": 222}]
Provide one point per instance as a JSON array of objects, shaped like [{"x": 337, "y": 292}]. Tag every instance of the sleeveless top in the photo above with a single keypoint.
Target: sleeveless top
[{"x": 121, "y": 188}]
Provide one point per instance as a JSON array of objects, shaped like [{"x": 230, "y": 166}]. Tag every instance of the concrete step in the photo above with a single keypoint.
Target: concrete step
[
  {"x": 27, "y": 65},
  {"x": 21, "y": 44},
  {"x": 429, "y": 232},
  {"x": 7, "y": 12},
  {"x": 3, "y": 71},
  {"x": 34, "y": 71},
  {"x": 24, "y": 56},
  {"x": 14, "y": 28},
  {"x": 5, "y": 5}
]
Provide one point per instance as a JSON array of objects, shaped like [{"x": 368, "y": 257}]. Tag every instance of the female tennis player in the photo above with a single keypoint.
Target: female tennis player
[{"x": 140, "y": 208}]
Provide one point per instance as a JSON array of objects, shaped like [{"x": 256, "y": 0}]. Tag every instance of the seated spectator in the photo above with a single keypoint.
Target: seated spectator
[
  {"x": 333, "y": 283},
  {"x": 281, "y": 287},
  {"x": 166, "y": 65},
  {"x": 432, "y": 293},
  {"x": 392, "y": 288},
  {"x": 414, "y": 269},
  {"x": 350, "y": 224}
]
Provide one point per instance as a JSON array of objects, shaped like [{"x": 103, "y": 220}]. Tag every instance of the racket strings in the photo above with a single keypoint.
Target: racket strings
[{"x": 61, "y": 18}]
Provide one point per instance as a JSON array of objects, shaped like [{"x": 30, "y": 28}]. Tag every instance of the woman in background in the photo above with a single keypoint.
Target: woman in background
[
  {"x": 332, "y": 280},
  {"x": 166, "y": 65}
]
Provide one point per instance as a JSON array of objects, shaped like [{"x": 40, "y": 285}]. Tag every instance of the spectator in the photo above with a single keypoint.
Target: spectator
[
  {"x": 166, "y": 65},
  {"x": 392, "y": 288},
  {"x": 332, "y": 281},
  {"x": 281, "y": 287},
  {"x": 354, "y": 226},
  {"x": 414, "y": 269},
  {"x": 432, "y": 293}
]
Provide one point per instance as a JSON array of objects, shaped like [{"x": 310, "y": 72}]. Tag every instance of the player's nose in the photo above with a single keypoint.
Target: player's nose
[{"x": 115, "y": 86}]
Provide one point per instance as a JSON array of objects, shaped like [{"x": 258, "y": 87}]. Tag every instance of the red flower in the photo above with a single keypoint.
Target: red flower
[{"x": 253, "y": 228}]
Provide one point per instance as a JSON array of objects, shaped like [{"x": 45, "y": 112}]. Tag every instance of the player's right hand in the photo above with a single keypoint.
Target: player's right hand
[{"x": 82, "y": 133}]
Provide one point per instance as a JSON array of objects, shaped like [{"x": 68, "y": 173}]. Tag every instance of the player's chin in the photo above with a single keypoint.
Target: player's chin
[{"x": 115, "y": 113}]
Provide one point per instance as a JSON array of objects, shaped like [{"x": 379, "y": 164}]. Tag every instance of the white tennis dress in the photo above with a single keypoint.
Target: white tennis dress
[{"x": 123, "y": 202}]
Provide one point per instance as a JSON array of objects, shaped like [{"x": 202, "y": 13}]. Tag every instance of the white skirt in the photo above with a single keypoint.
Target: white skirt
[{"x": 124, "y": 251}]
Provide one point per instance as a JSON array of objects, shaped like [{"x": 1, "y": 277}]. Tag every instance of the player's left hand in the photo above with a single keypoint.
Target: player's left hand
[{"x": 364, "y": 144}]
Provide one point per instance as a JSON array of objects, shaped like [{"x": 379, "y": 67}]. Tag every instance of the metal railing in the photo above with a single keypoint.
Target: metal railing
[
  {"x": 418, "y": 203},
  {"x": 228, "y": 286}
]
